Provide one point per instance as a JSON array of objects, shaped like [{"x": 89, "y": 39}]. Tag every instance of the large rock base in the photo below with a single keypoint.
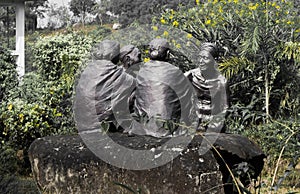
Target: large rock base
[{"x": 63, "y": 164}]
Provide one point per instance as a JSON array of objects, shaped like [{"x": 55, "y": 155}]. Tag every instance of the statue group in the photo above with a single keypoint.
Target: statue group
[
  {"x": 156, "y": 98},
  {"x": 127, "y": 97}
]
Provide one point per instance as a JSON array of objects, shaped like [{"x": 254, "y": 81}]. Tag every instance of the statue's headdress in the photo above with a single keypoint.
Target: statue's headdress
[
  {"x": 211, "y": 48},
  {"x": 106, "y": 49}
]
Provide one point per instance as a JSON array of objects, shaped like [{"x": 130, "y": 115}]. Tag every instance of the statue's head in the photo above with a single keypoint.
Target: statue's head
[
  {"x": 159, "y": 49},
  {"x": 207, "y": 57},
  {"x": 107, "y": 50},
  {"x": 129, "y": 55}
]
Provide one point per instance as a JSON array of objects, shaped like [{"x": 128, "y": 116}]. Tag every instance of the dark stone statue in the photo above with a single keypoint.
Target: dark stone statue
[
  {"x": 160, "y": 90},
  {"x": 126, "y": 110},
  {"x": 210, "y": 87},
  {"x": 103, "y": 86},
  {"x": 129, "y": 56}
]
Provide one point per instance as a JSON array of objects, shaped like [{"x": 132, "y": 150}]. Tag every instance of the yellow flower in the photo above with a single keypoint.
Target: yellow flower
[
  {"x": 155, "y": 28},
  {"x": 175, "y": 23},
  {"x": 171, "y": 17},
  {"x": 235, "y": 1},
  {"x": 298, "y": 30},
  {"x": 58, "y": 114},
  {"x": 166, "y": 33},
  {"x": 289, "y": 22},
  {"x": 277, "y": 7},
  {"x": 178, "y": 46},
  {"x": 215, "y": 1},
  {"x": 277, "y": 21},
  {"x": 10, "y": 106},
  {"x": 197, "y": 2},
  {"x": 21, "y": 117},
  {"x": 253, "y": 7},
  {"x": 146, "y": 51},
  {"x": 162, "y": 20},
  {"x": 189, "y": 35},
  {"x": 220, "y": 10},
  {"x": 146, "y": 59},
  {"x": 207, "y": 22}
]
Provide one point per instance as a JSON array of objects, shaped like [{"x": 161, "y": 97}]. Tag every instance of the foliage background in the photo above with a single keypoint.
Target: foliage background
[
  {"x": 41, "y": 104},
  {"x": 259, "y": 48},
  {"x": 259, "y": 55}
]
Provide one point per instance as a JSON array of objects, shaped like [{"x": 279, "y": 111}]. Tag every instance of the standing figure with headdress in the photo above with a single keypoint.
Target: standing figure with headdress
[{"x": 210, "y": 87}]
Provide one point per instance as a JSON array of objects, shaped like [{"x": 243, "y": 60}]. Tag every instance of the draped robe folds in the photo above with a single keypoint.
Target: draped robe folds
[
  {"x": 159, "y": 95},
  {"x": 212, "y": 99},
  {"x": 163, "y": 95},
  {"x": 103, "y": 92}
]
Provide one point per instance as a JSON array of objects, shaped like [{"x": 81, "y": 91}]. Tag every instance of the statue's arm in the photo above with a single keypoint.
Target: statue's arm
[{"x": 189, "y": 75}]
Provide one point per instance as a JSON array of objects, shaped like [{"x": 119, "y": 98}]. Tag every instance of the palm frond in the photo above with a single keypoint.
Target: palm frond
[
  {"x": 234, "y": 65},
  {"x": 290, "y": 50},
  {"x": 251, "y": 43}
]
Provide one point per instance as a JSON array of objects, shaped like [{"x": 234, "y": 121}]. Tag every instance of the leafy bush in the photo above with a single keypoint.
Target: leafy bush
[
  {"x": 259, "y": 47},
  {"x": 273, "y": 136},
  {"x": 60, "y": 55},
  {"x": 42, "y": 104},
  {"x": 142, "y": 11},
  {"x": 23, "y": 122},
  {"x": 280, "y": 140},
  {"x": 8, "y": 161},
  {"x": 8, "y": 73}
]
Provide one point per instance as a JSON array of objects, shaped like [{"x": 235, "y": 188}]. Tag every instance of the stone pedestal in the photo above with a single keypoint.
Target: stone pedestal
[{"x": 63, "y": 164}]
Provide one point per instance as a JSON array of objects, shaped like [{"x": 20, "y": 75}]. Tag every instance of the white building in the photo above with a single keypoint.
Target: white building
[{"x": 19, "y": 50}]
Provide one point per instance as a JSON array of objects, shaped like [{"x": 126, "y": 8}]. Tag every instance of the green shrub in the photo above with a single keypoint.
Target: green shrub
[
  {"x": 8, "y": 161},
  {"x": 60, "y": 55},
  {"x": 259, "y": 48},
  {"x": 8, "y": 74},
  {"x": 273, "y": 136},
  {"x": 23, "y": 122},
  {"x": 99, "y": 33},
  {"x": 42, "y": 104},
  {"x": 142, "y": 10}
]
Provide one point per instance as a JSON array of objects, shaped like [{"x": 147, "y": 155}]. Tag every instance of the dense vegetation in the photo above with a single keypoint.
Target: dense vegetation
[
  {"x": 41, "y": 104},
  {"x": 142, "y": 11},
  {"x": 259, "y": 42}
]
